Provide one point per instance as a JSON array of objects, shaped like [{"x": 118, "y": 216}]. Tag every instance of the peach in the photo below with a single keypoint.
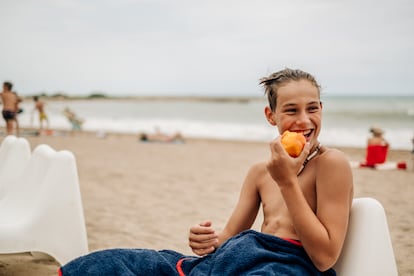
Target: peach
[{"x": 293, "y": 142}]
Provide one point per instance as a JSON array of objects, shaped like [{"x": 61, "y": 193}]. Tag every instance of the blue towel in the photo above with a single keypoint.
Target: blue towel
[{"x": 249, "y": 253}]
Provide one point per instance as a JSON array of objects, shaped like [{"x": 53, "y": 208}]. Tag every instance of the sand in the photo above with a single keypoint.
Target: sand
[{"x": 148, "y": 195}]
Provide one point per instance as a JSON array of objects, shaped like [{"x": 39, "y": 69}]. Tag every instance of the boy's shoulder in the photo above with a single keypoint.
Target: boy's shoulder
[
  {"x": 332, "y": 153},
  {"x": 261, "y": 165},
  {"x": 258, "y": 169},
  {"x": 333, "y": 157}
]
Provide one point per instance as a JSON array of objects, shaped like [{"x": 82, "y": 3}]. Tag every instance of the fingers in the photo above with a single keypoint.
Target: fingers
[
  {"x": 206, "y": 223},
  {"x": 202, "y": 238},
  {"x": 201, "y": 234},
  {"x": 279, "y": 156},
  {"x": 281, "y": 165},
  {"x": 202, "y": 228},
  {"x": 276, "y": 146},
  {"x": 305, "y": 152},
  {"x": 203, "y": 252},
  {"x": 203, "y": 247}
]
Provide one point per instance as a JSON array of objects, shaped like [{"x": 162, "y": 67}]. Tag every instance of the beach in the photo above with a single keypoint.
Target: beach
[{"x": 148, "y": 195}]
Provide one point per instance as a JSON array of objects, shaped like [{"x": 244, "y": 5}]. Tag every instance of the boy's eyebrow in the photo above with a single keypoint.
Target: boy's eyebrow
[
  {"x": 294, "y": 104},
  {"x": 289, "y": 105}
]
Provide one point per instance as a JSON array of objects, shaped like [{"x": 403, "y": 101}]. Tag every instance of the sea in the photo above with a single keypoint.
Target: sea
[{"x": 346, "y": 119}]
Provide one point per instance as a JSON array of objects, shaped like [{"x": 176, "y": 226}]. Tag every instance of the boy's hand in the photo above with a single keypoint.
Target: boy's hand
[
  {"x": 203, "y": 239},
  {"x": 281, "y": 166}
]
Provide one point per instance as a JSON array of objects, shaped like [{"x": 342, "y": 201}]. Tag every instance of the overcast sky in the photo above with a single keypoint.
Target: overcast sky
[{"x": 214, "y": 47}]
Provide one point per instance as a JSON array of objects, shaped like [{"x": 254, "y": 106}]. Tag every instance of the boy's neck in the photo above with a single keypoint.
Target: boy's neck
[{"x": 310, "y": 156}]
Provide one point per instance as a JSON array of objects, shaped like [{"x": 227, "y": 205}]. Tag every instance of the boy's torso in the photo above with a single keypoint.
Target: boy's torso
[
  {"x": 9, "y": 101},
  {"x": 277, "y": 220}
]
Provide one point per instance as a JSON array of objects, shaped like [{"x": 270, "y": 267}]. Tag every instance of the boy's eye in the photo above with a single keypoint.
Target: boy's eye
[
  {"x": 290, "y": 110},
  {"x": 313, "y": 108}
]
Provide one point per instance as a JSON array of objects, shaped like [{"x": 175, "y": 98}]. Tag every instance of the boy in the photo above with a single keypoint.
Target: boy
[
  {"x": 40, "y": 107},
  {"x": 10, "y": 101},
  {"x": 306, "y": 203}
]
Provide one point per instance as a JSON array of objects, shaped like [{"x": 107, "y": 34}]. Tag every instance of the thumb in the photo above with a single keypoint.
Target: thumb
[
  {"x": 305, "y": 152},
  {"x": 206, "y": 223}
]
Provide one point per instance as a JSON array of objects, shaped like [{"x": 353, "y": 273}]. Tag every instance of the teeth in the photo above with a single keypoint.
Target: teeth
[{"x": 307, "y": 132}]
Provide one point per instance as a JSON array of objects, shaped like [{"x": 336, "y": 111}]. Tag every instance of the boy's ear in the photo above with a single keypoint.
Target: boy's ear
[{"x": 269, "y": 116}]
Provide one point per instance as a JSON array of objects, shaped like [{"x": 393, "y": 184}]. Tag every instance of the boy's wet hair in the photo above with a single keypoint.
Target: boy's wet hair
[
  {"x": 8, "y": 84},
  {"x": 276, "y": 80}
]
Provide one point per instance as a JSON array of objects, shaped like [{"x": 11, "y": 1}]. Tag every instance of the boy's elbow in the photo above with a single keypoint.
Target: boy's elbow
[
  {"x": 324, "y": 266},
  {"x": 324, "y": 262}
]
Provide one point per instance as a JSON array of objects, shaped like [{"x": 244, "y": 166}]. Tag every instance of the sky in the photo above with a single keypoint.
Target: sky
[{"x": 214, "y": 47}]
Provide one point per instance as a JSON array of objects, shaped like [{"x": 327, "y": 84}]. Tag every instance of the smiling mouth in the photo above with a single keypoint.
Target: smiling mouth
[{"x": 306, "y": 133}]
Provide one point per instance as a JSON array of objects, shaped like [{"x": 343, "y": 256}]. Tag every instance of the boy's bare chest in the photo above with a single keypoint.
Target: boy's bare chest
[
  {"x": 272, "y": 198},
  {"x": 8, "y": 99}
]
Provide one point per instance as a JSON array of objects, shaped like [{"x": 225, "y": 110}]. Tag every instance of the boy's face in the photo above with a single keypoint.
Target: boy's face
[{"x": 298, "y": 109}]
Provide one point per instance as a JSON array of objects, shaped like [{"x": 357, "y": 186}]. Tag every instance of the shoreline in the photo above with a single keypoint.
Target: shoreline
[
  {"x": 214, "y": 98},
  {"x": 27, "y": 132},
  {"x": 103, "y": 97}
]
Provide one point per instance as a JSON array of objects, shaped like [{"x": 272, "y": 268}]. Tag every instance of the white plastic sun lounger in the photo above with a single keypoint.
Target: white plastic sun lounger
[
  {"x": 43, "y": 210},
  {"x": 367, "y": 248}
]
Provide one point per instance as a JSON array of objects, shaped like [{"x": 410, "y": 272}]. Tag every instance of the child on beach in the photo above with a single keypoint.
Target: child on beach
[
  {"x": 10, "y": 102},
  {"x": 74, "y": 120},
  {"x": 40, "y": 107},
  {"x": 306, "y": 203}
]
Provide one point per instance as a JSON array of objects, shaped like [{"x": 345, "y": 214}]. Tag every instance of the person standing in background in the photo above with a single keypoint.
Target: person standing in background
[
  {"x": 10, "y": 102},
  {"x": 40, "y": 107}
]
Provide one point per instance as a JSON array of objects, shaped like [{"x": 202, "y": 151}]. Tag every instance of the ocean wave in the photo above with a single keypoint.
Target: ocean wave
[{"x": 230, "y": 121}]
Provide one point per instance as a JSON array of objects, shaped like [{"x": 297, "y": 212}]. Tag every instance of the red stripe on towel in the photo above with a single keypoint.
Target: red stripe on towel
[
  {"x": 179, "y": 268},
  {"x": 295, "y": 242}
]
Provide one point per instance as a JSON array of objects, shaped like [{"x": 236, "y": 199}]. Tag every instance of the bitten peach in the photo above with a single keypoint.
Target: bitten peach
[{"x": 293, "y": 142}]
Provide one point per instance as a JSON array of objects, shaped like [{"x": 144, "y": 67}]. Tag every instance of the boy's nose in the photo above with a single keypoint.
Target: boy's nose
[{"x": 303, "y": 119}]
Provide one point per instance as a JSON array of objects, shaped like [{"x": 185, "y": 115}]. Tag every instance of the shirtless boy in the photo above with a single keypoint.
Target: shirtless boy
[
  {"x": 311, "y": 206},
  {"x": 40, "y": 107},
  {"x": 306, "y": 210},
  {"x": 10, "y": 101}
]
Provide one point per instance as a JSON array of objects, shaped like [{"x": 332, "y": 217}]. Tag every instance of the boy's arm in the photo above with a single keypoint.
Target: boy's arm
[
  {"x": 203, "y": 239},
  {"x": 245, "y": 212},
  {"x": 334, "y": 189},
  {"x": 322, "y": 232}
]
